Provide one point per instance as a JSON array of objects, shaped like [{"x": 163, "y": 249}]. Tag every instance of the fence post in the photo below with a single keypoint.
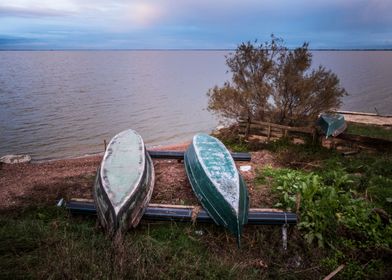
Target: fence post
[
  {"x": 247, "y": 128},
  {"x": 269, "y": 132}
]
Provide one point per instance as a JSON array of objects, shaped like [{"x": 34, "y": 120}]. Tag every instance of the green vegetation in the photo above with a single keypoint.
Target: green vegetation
[
  {"x": 235, "y": 146},
  {"x": 344, "y": 203},
  {"x": 370, "y": 130},
  {"x": 329, "y": 203},
  {"x": 344, "y": 206},
  {"x": 47, "y": 243}
]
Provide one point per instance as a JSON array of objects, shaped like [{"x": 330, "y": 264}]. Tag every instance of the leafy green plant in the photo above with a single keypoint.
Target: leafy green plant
[{"x": 326, "y": 206}]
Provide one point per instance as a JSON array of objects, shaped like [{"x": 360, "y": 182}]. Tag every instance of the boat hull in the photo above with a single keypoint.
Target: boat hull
[
  {"x": 230, "y": 213},
  {"x": 121, "y": 208},
  {"x": 332, "y": 124}
]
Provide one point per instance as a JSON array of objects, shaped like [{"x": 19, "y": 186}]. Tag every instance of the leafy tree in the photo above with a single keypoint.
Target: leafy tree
[{"x": 273, "y": 83}]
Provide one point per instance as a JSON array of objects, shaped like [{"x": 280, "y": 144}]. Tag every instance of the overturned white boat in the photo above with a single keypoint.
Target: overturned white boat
[{"x": 124, "y": 182}]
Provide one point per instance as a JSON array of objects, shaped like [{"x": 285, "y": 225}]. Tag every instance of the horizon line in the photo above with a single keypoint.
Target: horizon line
[{"x": 191, "y": 49}]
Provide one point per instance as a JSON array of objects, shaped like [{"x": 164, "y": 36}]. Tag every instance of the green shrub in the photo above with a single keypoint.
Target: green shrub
[{"x": 328, "y": 206}]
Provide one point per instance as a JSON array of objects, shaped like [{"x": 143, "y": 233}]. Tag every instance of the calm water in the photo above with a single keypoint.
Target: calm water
[{"x": 62, "y": 104}]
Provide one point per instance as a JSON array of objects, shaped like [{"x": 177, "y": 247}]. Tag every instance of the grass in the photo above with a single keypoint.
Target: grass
[
  {"x": 45, "y": 242},
  {"x": 370, "y": 130},
  {"x": 236, "y": 146}
]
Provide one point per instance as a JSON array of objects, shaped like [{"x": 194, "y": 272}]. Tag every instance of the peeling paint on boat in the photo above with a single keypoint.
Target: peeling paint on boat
[
  {"x": 124, "y": 182},
  {"x": 124, "y": 166},
  {"x": 216, "y": 182},
  {"x": 219, "y": 166}
]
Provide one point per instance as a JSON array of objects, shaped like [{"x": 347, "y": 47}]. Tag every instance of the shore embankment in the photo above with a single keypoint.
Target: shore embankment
[{"x": 43, "y": 183}]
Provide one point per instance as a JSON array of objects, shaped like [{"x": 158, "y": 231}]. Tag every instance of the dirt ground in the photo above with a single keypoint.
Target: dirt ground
[{"x": 45, "y": 182}]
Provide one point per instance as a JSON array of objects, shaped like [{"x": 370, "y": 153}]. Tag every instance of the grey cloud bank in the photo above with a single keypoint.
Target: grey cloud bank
[{"x": 121, "y": 24}]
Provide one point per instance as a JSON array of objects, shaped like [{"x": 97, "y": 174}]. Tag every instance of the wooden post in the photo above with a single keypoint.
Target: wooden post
[
  {"x": 314, "y": 135},
  {"x": 248, "y": 123},
  {"x": 104, "y": 144},
  {"x": 269, "y": 132},
  {"x": 247, "y": 130}
]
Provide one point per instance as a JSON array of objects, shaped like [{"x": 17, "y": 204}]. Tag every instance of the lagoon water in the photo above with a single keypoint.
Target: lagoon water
[{"x": 56, "y": 104}]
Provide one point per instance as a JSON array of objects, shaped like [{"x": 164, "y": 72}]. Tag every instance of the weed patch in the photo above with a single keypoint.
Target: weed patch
[{"x": 336, "y": 217}]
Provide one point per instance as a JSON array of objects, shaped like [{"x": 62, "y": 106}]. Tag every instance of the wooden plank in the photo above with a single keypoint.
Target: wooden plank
[
  {"x": 314, "y": 135},
  {"x": 260, "y": 125},
  {"x": 333, "y": 273},
  {"x": 276, "y": 132},
  {"x": 289, "y": 128}
]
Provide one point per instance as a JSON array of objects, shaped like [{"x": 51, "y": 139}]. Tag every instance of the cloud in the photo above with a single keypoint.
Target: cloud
[
  {"x": 32, "y": 12},
  {"x": 38, "y": 8},
  {"x": 205, "y": 23}
]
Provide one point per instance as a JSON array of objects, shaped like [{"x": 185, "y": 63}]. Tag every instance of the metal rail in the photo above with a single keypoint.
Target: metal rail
[
  {"x": 180, "y": 155},
  {"x": 184, "y": 213}
]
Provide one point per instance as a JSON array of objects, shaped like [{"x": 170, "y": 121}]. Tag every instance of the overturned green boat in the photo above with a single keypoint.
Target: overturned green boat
[
  {"x": 216, "y": 182},
  {"x": 124, "y": 183},
  {"x": 331, "y": 124}
]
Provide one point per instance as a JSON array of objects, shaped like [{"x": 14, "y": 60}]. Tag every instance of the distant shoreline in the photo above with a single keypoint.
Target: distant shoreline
[{"x": 182, "y": 50}]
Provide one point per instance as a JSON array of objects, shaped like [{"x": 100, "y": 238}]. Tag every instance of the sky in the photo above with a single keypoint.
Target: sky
[{"x": 193, "y": 24}]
